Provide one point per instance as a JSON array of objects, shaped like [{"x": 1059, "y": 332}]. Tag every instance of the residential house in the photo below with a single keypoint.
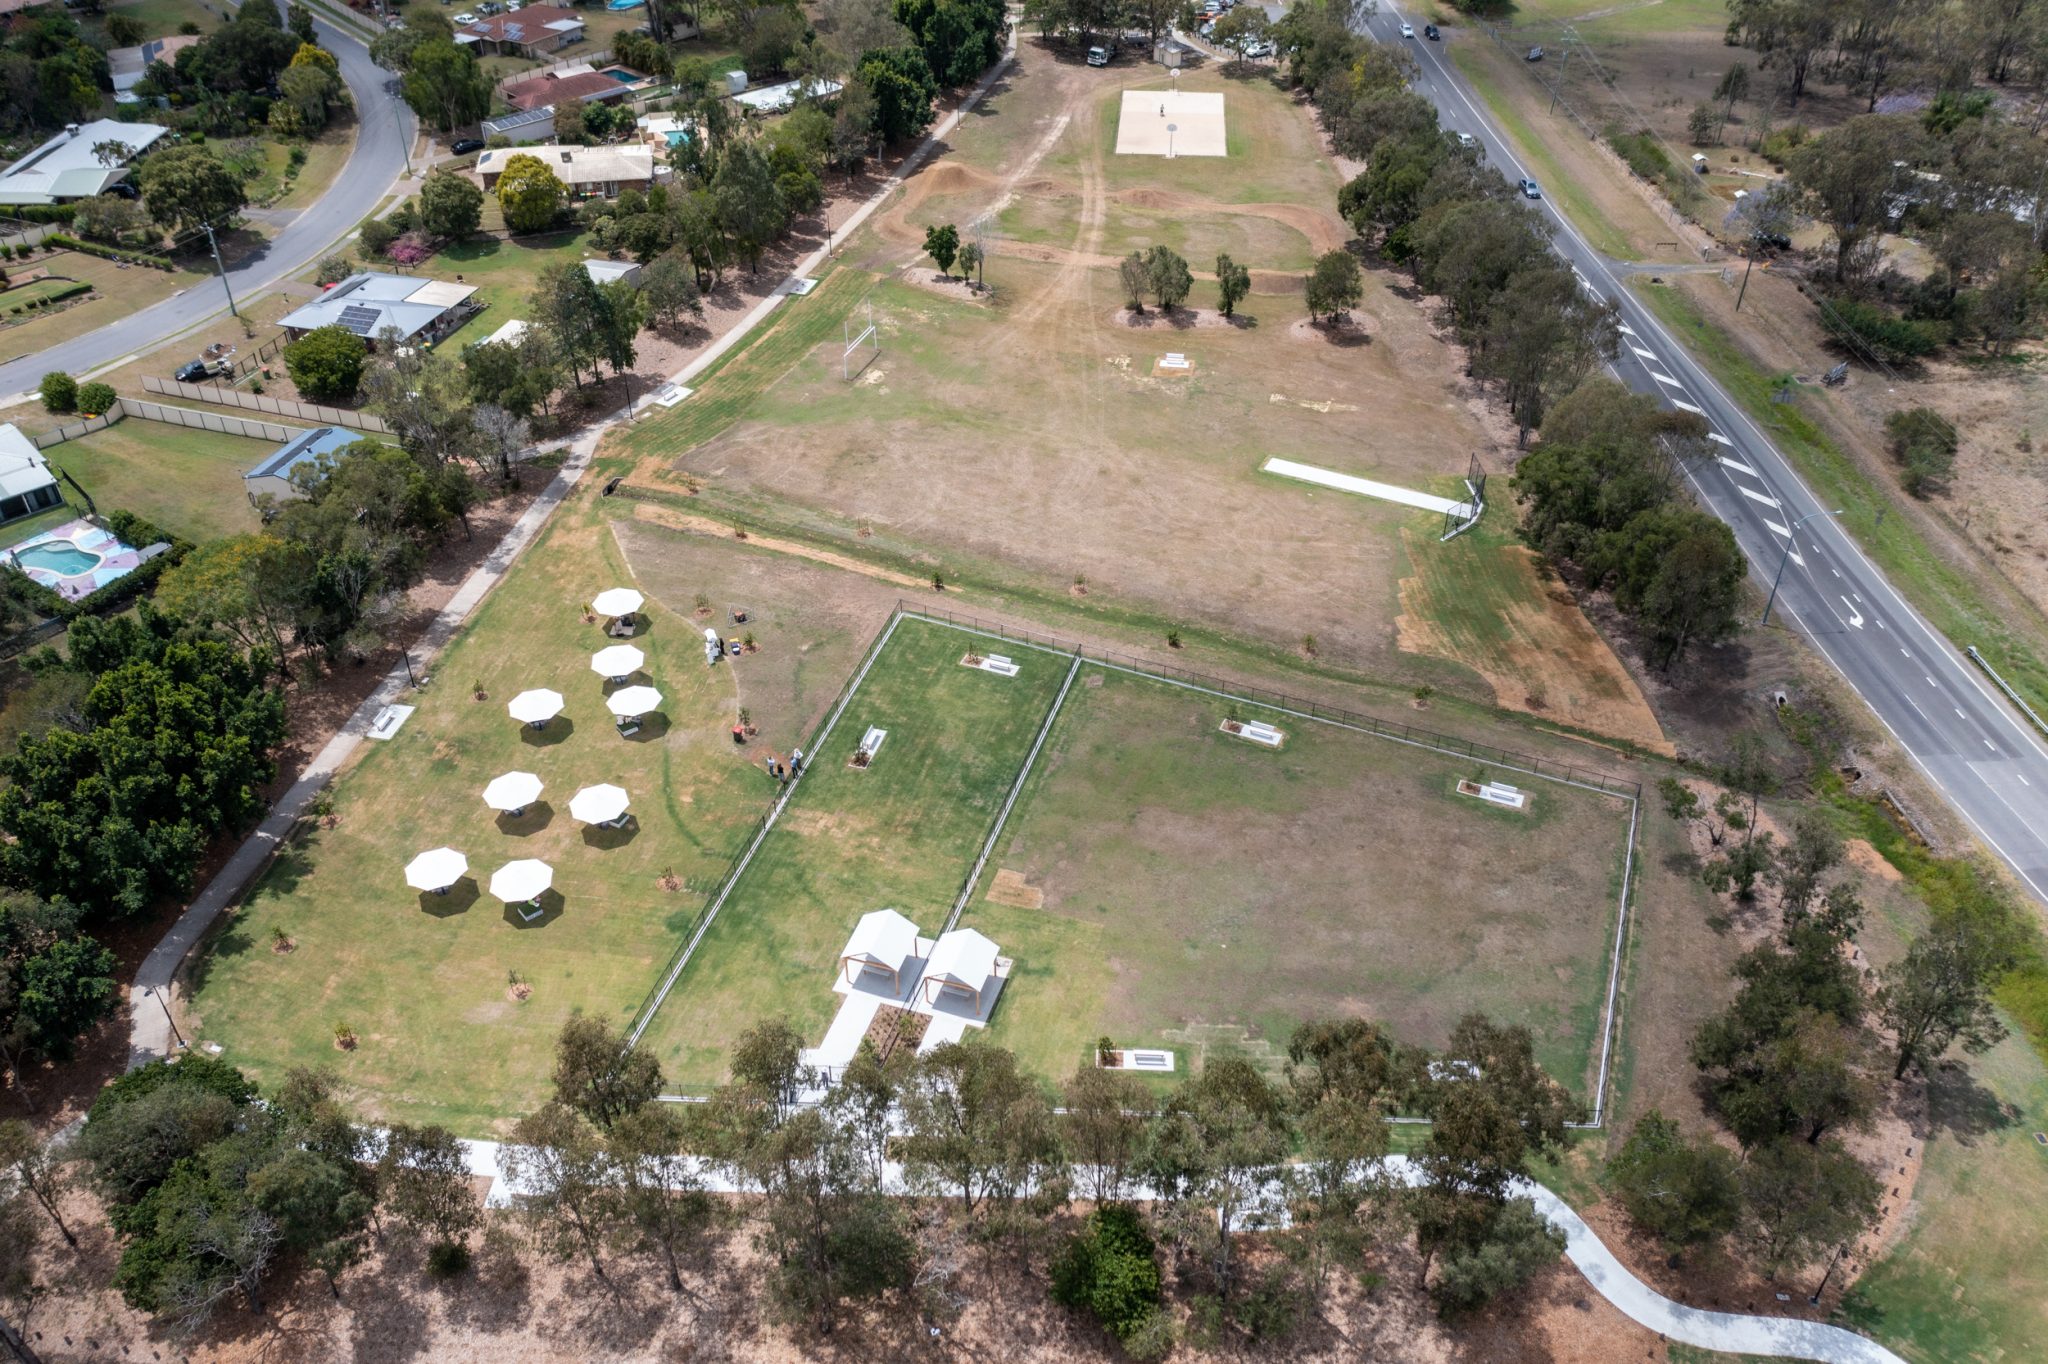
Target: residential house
[
  {"x": 523, "y": 125},
  {"x": 613, "y": 271},
  {"x": 26, "y": 484},
  {"x": 532, "y": 32},
  {"x": 421, "y": 311},
  {"x": 83, "y": 160},
  {"x": 576, "y": 83},
  {"x": 587, "y": 171},
  {"x": 128, "y": 65},
  {"x": 273, "y": 477}
]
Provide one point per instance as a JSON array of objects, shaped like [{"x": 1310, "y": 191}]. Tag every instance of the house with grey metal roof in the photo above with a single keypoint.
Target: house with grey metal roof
[
  {"x": 273, "y": 477},
  {"x": 83, "y": 160},
  {"x": 421, "y": 311}
]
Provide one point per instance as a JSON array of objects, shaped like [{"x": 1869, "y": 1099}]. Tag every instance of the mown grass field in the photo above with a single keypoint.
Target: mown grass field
[
  {"x": 425, "y": 981},
  {"x": 186, "y": 480},
  {"x": 902, "y": 834},
  {"x": 1191, "y": 885}
]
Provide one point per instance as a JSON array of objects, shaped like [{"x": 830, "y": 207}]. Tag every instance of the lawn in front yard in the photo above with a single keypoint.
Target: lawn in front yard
[
  {"x": 122, "y": 291},
  {"x": 429, "y": 983},
  {"x": 900, "y": 834},
  {"x": 186, "y": 480},
  {"x": 1171, "y": 885}
]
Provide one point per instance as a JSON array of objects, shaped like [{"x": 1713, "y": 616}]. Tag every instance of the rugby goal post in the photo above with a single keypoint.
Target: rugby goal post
[
  {"x": 861, "y": 347},
  {"x": 1463, "y": 517}
]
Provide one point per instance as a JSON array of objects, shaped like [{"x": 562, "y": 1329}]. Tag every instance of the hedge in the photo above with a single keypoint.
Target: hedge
[
  {"x": 71, "y": 243},
  {"x": 41, "y": 213}
]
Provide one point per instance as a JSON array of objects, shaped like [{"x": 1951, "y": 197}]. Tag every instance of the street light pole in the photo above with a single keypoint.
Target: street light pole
[
  {"x": 1779, "y": 576},
  {"x": 1750, "y": 257},
  {"x": 175, "y": 1034}
]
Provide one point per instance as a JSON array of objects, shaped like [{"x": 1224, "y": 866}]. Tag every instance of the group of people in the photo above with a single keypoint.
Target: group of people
[{"x": 789, "y": 771}]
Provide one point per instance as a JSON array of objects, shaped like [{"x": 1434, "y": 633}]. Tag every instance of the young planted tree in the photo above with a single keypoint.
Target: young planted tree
[
  {"x": 942, "y": 244},
  {"x": 971, "y": 260},
  {"x": 1233, "y": 282}
]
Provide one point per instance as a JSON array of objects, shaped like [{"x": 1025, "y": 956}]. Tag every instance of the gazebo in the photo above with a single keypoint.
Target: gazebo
[
  {"x": 603, "y": 806},
  {"x": 512, "y": 792},
  {"x": 535, "y": 707},
  {"x": 617, "y": 663},
  {"x": 883, "y": 942},
  {"x": 436, "y": 870},
  {"x": 620, "y": 603},
  {"x": 960, "y": 964}
]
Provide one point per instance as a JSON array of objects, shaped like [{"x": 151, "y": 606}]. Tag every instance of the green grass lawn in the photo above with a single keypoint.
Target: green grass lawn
[
  {"x": 123, "y": 289},
  {"x": 901, "y": 834},
  {"x": 1200, "y": 889},
  {"x": 423, "y": 980},
  {"x": 186, "y": 480},
  {"x": 504, "y": 273},
  {"x": 2006, "y": 631},
  {"x": 14, "y": 532}
]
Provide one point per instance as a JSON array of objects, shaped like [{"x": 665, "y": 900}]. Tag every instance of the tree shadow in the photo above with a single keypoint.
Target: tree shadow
[
  {"x": 617, "y": 836},
  {"x": 556, "y": 731},
  {"x": 1959, "y": 1106},
  {"x": 551, "y": 906},
  {"x": 1243, "y": 322},
  {"x": 1344, "y": 334},
  {"x": 531, "y": 820},
  {"x": 457, "y": 899}
]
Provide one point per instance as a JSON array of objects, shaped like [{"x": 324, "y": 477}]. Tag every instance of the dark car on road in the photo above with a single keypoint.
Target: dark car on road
[{"x": 1429, "y": 32}]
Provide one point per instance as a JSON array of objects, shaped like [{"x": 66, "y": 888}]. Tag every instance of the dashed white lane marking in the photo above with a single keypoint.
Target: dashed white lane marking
[
  {"x": 1682, "y": 403},
  {"x": 1993, "y": 747},
  {"x": 1738, "y": 466},
  {"x": 1645, "y": 354},
  {"x": 1960, "y": 715},
  {"x": 1717, "y": 436},
  {"x": 1624, "y": 328},
  {"x": 1664, "y": 379},
  {"x": 2023, "y": 779},
  {"x": 1785, "y": 531},
  {"x": 1755, "y": 496},
  {"x": 1932, "y": 683}
]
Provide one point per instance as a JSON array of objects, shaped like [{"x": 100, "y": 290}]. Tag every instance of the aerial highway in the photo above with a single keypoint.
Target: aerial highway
[{"x": 1984, "y": 757}]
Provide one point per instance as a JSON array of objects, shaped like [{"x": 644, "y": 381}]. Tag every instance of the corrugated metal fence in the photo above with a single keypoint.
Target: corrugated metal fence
[
  {"x": 174, "y": 416},
  {"x": 276, "y": 407}
]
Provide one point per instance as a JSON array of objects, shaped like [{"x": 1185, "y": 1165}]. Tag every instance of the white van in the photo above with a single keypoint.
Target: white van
[{"x": 1098, "y": 56}]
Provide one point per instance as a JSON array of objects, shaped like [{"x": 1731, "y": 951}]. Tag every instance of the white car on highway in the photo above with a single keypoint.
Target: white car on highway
[{"x": 1407, "y": 30}]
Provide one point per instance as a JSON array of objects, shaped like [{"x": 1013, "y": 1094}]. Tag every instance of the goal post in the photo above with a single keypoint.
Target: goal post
[
  {"x": 862, "y": 345},
  {"x": 1464, "y": 516}
]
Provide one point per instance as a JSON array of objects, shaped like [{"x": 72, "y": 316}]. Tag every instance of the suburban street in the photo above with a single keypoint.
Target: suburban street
[
  {"x": 384, "y": 125},
  {"x": 1990, "y": 764}
]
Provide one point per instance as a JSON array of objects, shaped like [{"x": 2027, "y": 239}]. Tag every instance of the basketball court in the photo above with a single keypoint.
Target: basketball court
[{"x": 1171, "y": 123}]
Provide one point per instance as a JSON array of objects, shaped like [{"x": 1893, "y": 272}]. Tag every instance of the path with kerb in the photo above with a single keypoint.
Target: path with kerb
[{"x": 150, "y": 1035}]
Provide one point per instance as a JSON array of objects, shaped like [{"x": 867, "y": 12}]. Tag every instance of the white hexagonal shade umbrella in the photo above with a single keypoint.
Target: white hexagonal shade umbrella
[
  {"x": 618, "y": 662},
  {"x": 617, "y": 601},
  {"x": 598, "y": 804},
  {"x": 535, "y": 707},
  {"x": 628, "y": 702},
  {"x": 512, "y": 792},
  {"x": 436, "y": 869},
  {"x": 521, "y": 881}
]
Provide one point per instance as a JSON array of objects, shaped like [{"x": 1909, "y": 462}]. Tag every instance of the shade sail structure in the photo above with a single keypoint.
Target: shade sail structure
[
  {"x": 513, "y": 791},
  {"x": 436, "y": 869},
  {"x": 620, "y": 660},
  {"x": 535, "y": 707},
  {"x": 961, "y": 962},
  {"x": 628, "y": 702},
  {"x": 518, "y": 882},
  {"x": 598, "y": 804},
  {"x": 617, "y": 601},
  {"x": 882, "y": 941}
]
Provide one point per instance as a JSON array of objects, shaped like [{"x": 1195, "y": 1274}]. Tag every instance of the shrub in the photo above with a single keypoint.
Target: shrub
[
  {"x": 1782, "y": 143},
  {"x": 377, "y": 236},
  {"x": 59, "y": 392},
  {"x": 1924, "y": 444},
  {"x": 410, "y": 249},
  {"x": 333, "y": 270},
  {"x": 326, "y": 363},
  {"x": 1871, "y": 329},
  {"x": 1641, "y": 149},
  {"x": 96, "y": 398},
  {"x": 1108, "y": 1270}
]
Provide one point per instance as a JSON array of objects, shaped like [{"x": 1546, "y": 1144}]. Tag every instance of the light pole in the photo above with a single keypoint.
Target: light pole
[
  {"x": 1779, "y": 576},
  {"x": 175, "y": 1034},
  {"x": 1750, "y": 257},
  {"x": 1814, "y": 1299},
  {"x": 215, "y": 244},
  {"x": 1171, "y": 129}
]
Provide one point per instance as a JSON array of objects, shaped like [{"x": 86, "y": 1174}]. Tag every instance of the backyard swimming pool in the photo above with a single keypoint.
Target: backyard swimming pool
[
  {"x": 60, "y": 557},
  {"x": 76, "y": 559}
]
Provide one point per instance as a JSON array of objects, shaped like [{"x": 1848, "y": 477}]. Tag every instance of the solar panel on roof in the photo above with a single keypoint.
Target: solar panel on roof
[{"x": 359, "y": 319}]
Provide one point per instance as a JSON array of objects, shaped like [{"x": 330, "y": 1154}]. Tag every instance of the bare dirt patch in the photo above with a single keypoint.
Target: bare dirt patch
[{"x": 1010, "y": 888}]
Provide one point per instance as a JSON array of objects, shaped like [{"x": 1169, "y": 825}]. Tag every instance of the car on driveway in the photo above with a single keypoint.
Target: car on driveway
[
  {"x": 463, "y": 146},
  {"x": 193, "y": 372},
  {"x": 1530, "y": 189},
  {"x": 464, "y": 18},
  {"x": 1407, "y": 30}
]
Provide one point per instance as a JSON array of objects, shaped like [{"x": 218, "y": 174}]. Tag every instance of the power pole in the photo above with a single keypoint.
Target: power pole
[{"x": 213, "y": 242}]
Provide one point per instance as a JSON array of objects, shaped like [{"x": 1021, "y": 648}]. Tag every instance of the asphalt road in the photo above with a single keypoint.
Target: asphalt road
[
  {"x": 1983, "y": 756},
  {"x": 384, "y": 125}
]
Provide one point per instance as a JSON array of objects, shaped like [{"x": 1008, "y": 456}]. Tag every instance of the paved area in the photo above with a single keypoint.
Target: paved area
[{"x": 1171, "y": 123}]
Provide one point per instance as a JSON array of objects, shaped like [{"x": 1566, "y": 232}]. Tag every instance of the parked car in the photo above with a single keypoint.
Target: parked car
[
  {"x": 1535, "y": 55},
  {"x": 1407, "y": 30},
  {"x": 1429, "y": 32},
  {"x": 1258, "y": 47},
  {"x": 1098, "y": 56},
  {"x": 463, "y": 146},
  {"x": 464, "y": 18},
  {"x": 1466, "y": 139},
  {"x": 1530, "y": 189},
  {"x": 192, "y": 372},
  {"x": 490, "y": 7}
]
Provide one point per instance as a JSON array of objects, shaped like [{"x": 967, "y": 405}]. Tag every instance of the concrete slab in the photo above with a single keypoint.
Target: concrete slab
[{"x": 1171, "y": 123}]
